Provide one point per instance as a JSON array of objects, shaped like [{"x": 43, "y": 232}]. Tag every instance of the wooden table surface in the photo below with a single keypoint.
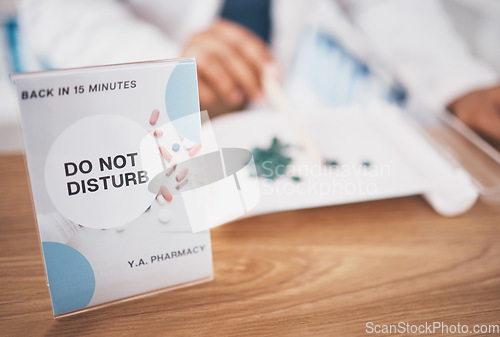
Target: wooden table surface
[{"x": 325, "y": 271}]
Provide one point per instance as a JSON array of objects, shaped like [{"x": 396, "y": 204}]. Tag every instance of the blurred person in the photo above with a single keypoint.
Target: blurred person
[{"x": 234, "y": 41}]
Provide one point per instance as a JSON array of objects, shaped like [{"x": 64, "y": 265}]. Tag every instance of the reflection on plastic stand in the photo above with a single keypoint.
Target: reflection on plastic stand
[
  {"x": 227, "y": 192},
  {"x": 216, "y": 186}
]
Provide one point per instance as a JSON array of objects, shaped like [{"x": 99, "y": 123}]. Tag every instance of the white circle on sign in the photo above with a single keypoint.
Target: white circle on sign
[{"x": 98, "y": 170}]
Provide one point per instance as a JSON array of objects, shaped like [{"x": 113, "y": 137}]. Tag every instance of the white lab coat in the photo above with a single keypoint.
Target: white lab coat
[{"x": 413, "y": 36}]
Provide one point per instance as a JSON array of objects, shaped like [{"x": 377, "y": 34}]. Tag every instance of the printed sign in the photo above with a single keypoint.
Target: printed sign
[{"x": 108, "y": 152}]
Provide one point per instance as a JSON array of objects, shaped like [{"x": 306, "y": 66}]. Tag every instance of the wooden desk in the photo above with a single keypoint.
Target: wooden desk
[{"x": 324, "y": 271}]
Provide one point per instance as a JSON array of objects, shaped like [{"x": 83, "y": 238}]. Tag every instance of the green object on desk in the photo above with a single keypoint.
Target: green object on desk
[
  {"x": 272, "y": 162},
  {"x": 366, "y": 163},
  {"x": 332, "y": 163}
]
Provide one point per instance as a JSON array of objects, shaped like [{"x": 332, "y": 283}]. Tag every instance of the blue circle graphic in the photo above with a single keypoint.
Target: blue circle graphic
[
  {"x": 181, "y": 100},
  {"x": 71, "y": 277}
]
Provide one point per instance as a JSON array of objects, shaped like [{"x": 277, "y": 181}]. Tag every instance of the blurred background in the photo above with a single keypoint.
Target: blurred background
[{"x": 477, "y": 22}]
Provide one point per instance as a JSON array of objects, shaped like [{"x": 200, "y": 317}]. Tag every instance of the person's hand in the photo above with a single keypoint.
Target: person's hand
[
  {"x": 230, "y": 59},
  {"x": 480, "y": 109}
]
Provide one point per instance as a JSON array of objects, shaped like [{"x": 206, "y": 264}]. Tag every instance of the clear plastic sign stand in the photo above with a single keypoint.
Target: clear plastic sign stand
[
  {"x": 125, "y": 184},
  {"x": 463, "y": 148}
]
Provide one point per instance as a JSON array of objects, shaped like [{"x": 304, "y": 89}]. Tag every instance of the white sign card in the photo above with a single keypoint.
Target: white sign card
[{"x": 104, "y": 150}]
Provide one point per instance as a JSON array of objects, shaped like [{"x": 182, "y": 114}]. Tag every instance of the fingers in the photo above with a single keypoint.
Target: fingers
[
  {"x": 489, "y": 122},
  {"x": 243, "y": 73},
  {"x": 220, "y": 80},
  {"x": 230, "y": 62},
  {"x": 249, "y": 45},
  {"x": 207, "y": 95},
  {"x": 210, "y": 101},
  {"x": 481, "y": 111},
  {"x": 236, "y": 72},
  {"x": 485, "y": 114},
  {"x": 215, "y": 82},
  {"x": 253, "y": 51}
]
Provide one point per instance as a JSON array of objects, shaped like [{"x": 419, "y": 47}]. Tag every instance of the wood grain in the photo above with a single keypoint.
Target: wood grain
[{"x": 317, "y": 272}]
